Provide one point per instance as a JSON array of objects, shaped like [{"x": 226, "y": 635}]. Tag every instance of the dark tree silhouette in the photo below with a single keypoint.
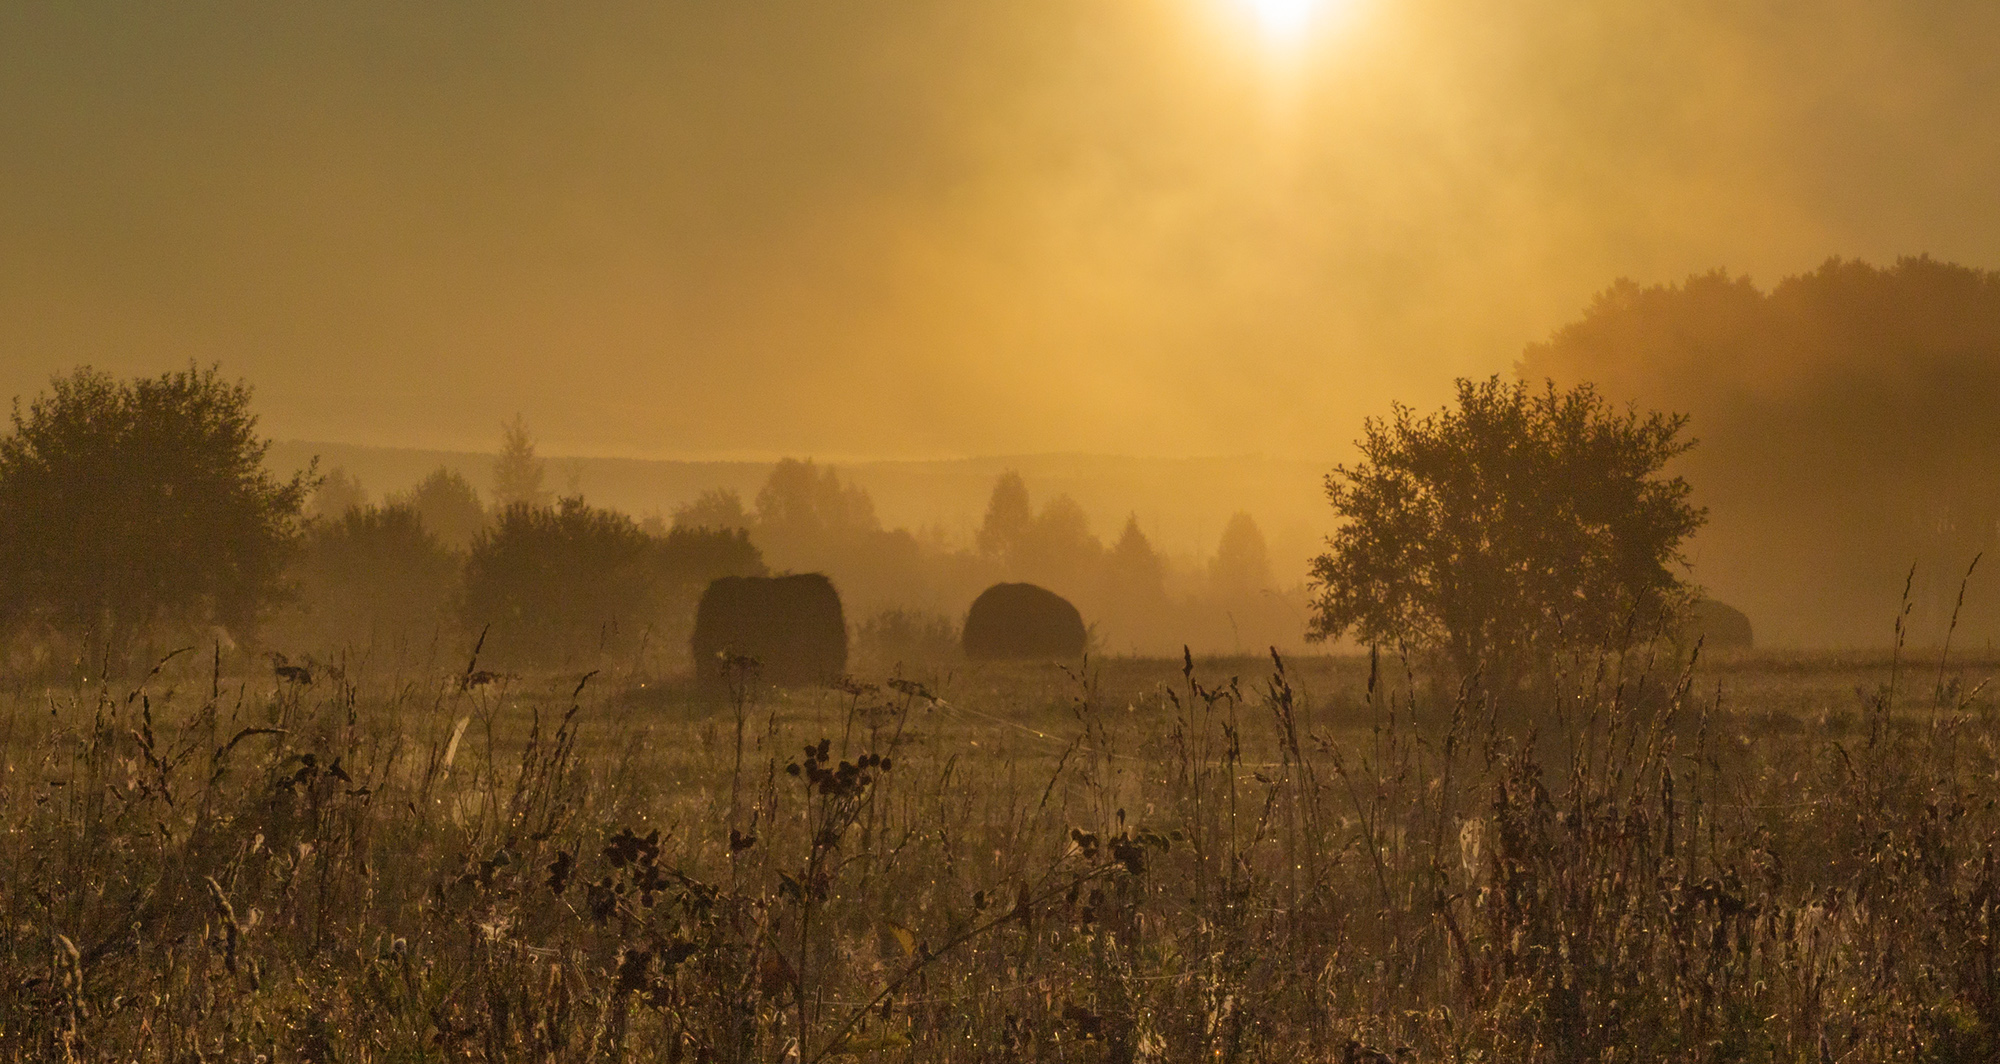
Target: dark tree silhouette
[
  {"x": 340, "y": 492},
  {"x": 449, "y": 506},
  {"x": 557, "y": 584},
  {"x": 1242, "y": 563},
  {"x": 717, "y": 508},
  {"x": 1847, "y": 429},
  {"x": 1520, "y": 522},
  {"x": 563, "y": 584},
  {"x": 810, "y": 520},
  {"x": 1134, "y": 573},
  {"x": 129, "y": 505},
  {"x": 1009, "y": 517},
  {"x": 517, "y": 473},
  {"x": 374, "y": 575}
]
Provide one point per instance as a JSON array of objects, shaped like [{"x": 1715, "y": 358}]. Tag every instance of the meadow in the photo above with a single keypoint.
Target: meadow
[{"x": 1667, "y": 856}]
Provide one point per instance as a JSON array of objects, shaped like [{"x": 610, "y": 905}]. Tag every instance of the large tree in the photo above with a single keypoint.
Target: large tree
[
  {"x": 130, "y": 504},
  {"x": 1520, "y": 522}
]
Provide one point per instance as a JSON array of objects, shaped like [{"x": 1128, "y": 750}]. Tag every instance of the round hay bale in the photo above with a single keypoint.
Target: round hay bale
[
  {"x": 792, "y": 625},
  {"x": 1022, "y": 621},
  {"x": 1719, "y": 625}
]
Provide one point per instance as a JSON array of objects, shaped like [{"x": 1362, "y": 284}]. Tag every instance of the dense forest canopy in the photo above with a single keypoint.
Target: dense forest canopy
[{"x": 1847, "y": 426}]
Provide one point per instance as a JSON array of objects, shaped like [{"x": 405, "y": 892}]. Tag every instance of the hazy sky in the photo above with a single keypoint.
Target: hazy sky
[{"x": 935, "y": 227}]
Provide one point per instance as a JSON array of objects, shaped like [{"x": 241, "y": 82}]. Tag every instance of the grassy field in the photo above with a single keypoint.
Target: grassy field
[{"x": 1762, "y": 858}]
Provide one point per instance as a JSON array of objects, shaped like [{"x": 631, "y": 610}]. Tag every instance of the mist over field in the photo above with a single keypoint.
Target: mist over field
[
  {"x": 935, "y": 231},
  {"x": 1127, "y": 531}
]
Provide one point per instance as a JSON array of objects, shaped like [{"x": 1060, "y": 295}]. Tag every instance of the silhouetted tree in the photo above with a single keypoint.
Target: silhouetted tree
[
  {"x": 1009, "y": 517},
  {"x": 802, "y": 508},
  {"x": 1059, "y": 549},
  {"x": 557, "y": 584},
  {"x": 517, "y": 472},
  {"x": 716, "y": 508},
  {"x": 1517, "y": 523},
  {"x": 376, "y": 574},
  {"x": 684, "y": 562},
  {"x": 1242, "y": 563},
  {"x": 808, "y": 519},
  {"x": 1135, "y": 573},
  {"x": 449, "y": 506},
  {"x": 126, "y": 505},
  {"x": 564, "y": 584},
  {"x": 1847, "y": 429},
  {"x": 340, "y": 492}
]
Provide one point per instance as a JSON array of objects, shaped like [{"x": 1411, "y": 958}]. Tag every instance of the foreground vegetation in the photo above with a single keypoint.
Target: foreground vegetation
[{"x": 1135, "y": 860}]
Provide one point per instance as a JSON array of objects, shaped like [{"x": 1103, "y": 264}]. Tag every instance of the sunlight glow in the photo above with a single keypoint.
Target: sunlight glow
[{"x": 1283, "y": 20}]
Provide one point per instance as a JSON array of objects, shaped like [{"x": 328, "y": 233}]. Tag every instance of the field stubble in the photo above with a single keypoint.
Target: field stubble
[{"x": 1758, "y": 859}]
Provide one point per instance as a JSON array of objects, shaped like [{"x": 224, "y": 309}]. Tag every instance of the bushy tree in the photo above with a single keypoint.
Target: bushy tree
[
  {"x": 340, "y": 492},
  {"x": 803, "y": 507},
  {"x": 375, "y": 575},
  {"x": 1847, "y": 428},
  {"x": 565, "y": 584},
  {"x": 1059, "y": 548},
  {"x": 518, "y": 473},
  {"x": 810, "y": 520},
  {"x": 686, "y": 559},
  {"x": 557, "y": 584},
  {"x": 716, "y": 508},
  {"x": 1009, "y": 517},
  {"x": 1517, "y": 523},
  {"x": 448, "y": 505},
  {"x": 1242, "y": 563},
  {"x": 126, "y": 505}
]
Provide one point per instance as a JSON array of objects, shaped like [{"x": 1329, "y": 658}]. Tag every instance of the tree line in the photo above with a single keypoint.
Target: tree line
[{"x": 137, "y": 516}]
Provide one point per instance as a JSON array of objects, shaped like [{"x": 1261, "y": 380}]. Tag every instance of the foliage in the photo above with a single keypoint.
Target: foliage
[
  {"x": 127, "y": 505},
  {"x": 517, "y": 472},
  {"x": 716, "y": 508},
  {"x": 685, "y": 560},
  {"x": 449, "y": 506},
  {"x": 338, "y": 493},
  {"x": 560, "y": 584},
  {"x": 567, "y": 584},
  {"x": 810, "y": 520},
  {"x": 1054, "y": 547},
  {"x": 376, "y": 574},
  {"x": 1135, "y": 575},
  {"x": 1851, "y": 381},
  {"x": 802, "y": 505},
  {"x": 1242, "y": 563},
  {"x": 1519, "y": 523},
  {"x": 1009, "y": 517}
]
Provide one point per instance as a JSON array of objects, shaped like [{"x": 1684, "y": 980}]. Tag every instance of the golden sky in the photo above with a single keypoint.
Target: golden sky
[{"x": 904, "y": 228}]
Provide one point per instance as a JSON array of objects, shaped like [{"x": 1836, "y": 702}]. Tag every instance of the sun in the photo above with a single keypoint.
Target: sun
[{"x": 1283, "y": 20}]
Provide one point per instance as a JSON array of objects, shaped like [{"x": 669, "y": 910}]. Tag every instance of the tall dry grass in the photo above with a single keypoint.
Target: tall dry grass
[{"x": 1000, "y": 865}]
